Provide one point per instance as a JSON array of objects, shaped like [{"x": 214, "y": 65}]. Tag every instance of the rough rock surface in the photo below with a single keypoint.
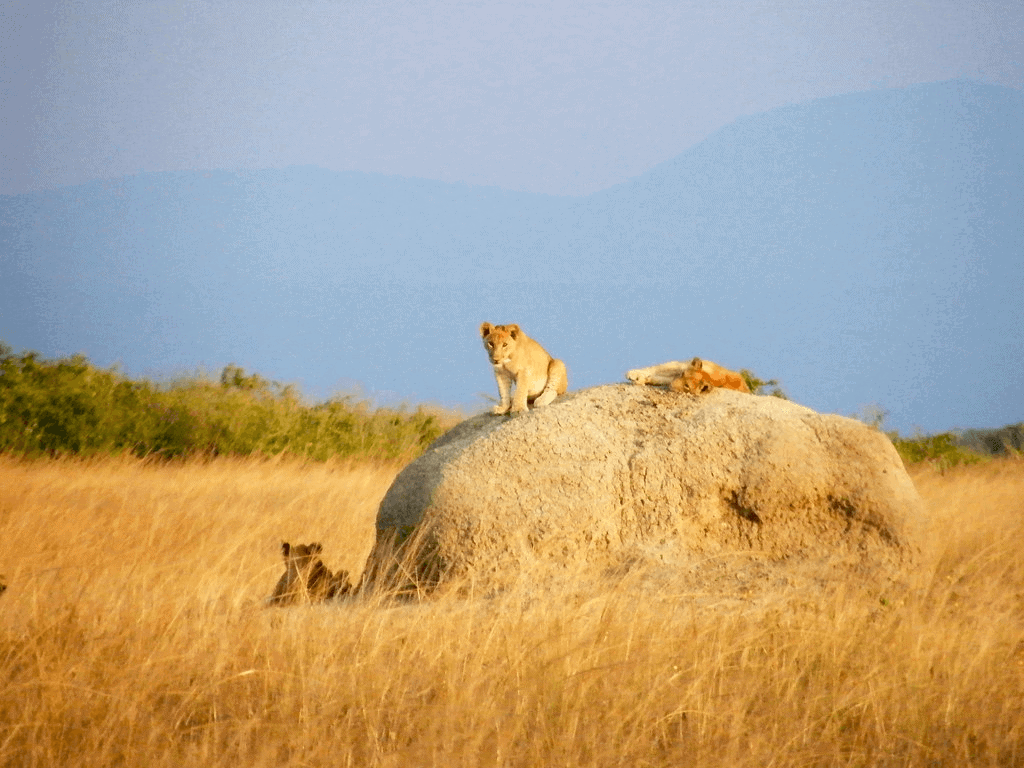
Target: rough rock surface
[{"x": 621, "y": 475}]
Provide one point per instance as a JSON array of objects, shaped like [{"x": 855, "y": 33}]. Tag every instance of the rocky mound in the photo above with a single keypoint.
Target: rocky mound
[{"x": 621, "y": 475}]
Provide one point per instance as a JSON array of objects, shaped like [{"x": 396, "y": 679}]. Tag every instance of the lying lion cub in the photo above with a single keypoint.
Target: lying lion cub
[
  {"x": 519, "y": 360},
  {"x": 695, "y": 377},
  {"x": 306, "y": 579}
]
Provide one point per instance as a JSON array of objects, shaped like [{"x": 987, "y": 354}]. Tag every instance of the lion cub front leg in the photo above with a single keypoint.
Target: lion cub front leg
[
  {"x": 504, "y": 379},
  {"x": 521, "y": 397},
  {"x": 657, "y": 375}
]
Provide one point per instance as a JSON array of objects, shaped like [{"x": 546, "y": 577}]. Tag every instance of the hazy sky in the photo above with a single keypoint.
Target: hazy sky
[
  {"x": 556, "y": 97},
  {"x": 564, "y": 98}
]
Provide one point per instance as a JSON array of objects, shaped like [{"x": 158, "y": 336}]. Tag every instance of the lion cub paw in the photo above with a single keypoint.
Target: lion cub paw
[
  {"x": 546, "y": 398},
  {"x": 636, "y": 377}
]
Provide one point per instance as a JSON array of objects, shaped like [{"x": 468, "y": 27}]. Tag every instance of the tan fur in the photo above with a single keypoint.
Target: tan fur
[
  {"x": 306, "y": 579},
  {"x": 696, "y": 377},
  {"x": 519, "y": 360}
]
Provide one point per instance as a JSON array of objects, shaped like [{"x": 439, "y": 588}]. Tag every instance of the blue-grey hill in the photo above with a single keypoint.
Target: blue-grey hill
[{"x": 866, "y": 248}]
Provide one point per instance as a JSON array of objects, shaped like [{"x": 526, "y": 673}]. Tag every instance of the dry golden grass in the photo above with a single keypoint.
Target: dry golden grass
[{"x": 133, "y": 633}]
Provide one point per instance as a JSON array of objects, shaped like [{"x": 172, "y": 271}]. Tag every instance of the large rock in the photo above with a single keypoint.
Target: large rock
[{"x": 621, "y": 475}]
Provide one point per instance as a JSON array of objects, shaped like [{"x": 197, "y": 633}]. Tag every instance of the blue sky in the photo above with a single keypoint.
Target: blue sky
[
  {"x": 564, "y": 98},
  {"x": 552, "y": 98}
]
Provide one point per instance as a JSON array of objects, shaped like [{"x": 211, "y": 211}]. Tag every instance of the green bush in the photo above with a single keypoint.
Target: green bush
[
  {"x": 940, "y": 449},
  {"x": 70, "y": 406},
  {"x": 1004, "y": 441},
  {"x": 761, "y": 387}
]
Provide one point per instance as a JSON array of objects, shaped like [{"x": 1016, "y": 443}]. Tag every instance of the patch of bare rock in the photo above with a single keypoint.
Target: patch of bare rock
[{"x": 723, "y": 493}]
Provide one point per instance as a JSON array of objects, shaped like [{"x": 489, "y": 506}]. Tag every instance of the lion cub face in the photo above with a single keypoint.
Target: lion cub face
[
  {"x": 499, "y": 341},
  {"x": 692, "y": 379}
]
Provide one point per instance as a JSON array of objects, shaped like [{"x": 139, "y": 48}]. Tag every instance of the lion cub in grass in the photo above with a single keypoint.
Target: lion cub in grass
[
  {"x": 306, "y": 579},
  {"x": 518, "y": 359},
  {"x": 696, "y": 377}
]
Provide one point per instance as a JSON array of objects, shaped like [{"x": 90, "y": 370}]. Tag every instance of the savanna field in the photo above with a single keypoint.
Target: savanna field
[{"x": 134, "y": 632}]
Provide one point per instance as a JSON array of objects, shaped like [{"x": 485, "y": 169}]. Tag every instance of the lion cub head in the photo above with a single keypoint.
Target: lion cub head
[
  {"x": 306, "y": 578},
  {"x": 693, "y": 379},
  {"x": 500, "y": 341}
]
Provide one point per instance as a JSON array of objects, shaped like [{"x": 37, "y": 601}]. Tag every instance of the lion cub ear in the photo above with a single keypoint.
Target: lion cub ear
[
  {"x": 513, "y": 330},
  {"x": 485, "y": 328},
  {"x": 285, "y": 548},
  {"x": 316, "y": 548},
  {"x": 697, "y": 363}
]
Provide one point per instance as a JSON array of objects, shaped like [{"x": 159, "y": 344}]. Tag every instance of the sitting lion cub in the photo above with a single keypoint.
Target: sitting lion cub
[
  {"x": 306, "y": 579},
  {"x": 695, "y": 377},
  {"x": 519, "y": 360}
]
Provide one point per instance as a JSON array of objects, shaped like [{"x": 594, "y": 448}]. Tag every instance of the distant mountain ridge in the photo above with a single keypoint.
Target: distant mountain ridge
[{"x": 861, "y": 248}]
